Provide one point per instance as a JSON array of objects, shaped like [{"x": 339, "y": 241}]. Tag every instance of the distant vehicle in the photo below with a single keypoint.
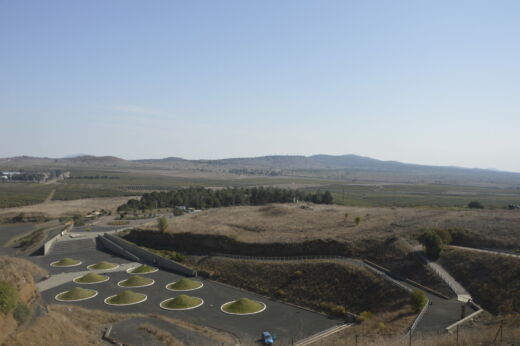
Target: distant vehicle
[{"x": 268, "y": 338}]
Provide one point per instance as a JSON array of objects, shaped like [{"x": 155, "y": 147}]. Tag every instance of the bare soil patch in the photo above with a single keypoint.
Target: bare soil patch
[{"x": 63, "y": 208}]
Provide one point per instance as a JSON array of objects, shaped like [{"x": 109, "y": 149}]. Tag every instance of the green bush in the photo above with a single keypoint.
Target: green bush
[
  {"x": 22, "y": 312},
  {"x": 364, "y": 316},
  {"x": 475, "y": 205},
  {"x": 162, "y": 223},
  {"x": 432, "y": 243},
  {"x": 445, "y": 236},
  {"x": 339, "y": 310},
  {"x": 297, "y": 274},
  {"x": 357, "y": 220},
  {"x": 280, "y": 292},
  {"x": 418, "y": 299},
  {"x": 8, "y": 297}
]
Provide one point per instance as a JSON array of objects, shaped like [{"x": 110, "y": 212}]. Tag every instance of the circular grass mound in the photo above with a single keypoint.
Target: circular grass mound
[
  {"x": 182, "y": 302},
  {"x": 126, "y": 298},
  {"x": 243, "y": 306},
  {"x": 136, "y": 281},
  {"x": 76, "y": 294},
  {"x": 142, "y": 269},
  {"x": 66, "y": 262},
  {"x": 103, "y": 265},
  {"x": 91, "y": 278},
  {"x": 184, "y": 285}
]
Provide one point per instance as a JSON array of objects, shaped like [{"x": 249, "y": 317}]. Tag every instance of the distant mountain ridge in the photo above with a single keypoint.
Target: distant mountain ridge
[
  {"x": 353, "y": 168},
  {"x": 281, "y": 162}
]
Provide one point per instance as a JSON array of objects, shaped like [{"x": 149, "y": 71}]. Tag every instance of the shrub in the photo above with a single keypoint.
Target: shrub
[
  {"x": 297, "y": 274},
  {"x": 365, "y": 316},
  {"x": 339, "y": 310},
  {"x": 162, "y": 223},
  {"x": 418, "y": 299},
  {"x": 177, "y": 212},
  {"x": 432, "y": 244},
  {"x": 78, "y": 220},
  {"x": 280, "y": 293},
  {"x": 357, "y": 220},
  {"x": 21, "y": 313},
  {"x": 445, "y": 236},
  {"x": 475, "y": 205},
  {"x": 8, "y": 297}
]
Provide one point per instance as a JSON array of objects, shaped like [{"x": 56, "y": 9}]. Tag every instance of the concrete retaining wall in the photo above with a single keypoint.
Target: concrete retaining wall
[
  {"x": 144, "y": 255},
  {"x": 116, "y": 249},
  {"x": 47, "y": 246}
]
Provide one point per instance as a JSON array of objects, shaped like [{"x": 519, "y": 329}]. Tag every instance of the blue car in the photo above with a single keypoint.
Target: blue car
[{"x": 267, "y": 338}]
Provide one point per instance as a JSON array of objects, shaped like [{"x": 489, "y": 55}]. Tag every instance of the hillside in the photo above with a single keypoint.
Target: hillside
[
  {"x": 339, "y": 167},
  {"x": 492, "y": 280},
  {"x": 291, "y": 223},
  {"x": 326, "y": 286}
]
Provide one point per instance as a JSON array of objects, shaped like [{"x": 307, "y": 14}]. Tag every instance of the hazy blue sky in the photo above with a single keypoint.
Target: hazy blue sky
[{"x": 433, "y": 82}]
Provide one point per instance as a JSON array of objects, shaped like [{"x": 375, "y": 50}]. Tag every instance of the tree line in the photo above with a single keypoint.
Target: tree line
[{"x": 202, "y": 198}]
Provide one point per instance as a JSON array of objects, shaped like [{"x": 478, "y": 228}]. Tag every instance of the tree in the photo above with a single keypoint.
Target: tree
[
  {"x": 475, "y": 205},
  {"x": 432, "y": 243},
  {"x": 418, "y": 299},
  {"x": 445, "y": 236},
  {"x": 357, "y": 220},
  {"x": 8, "y": 297},
  {"x": 327, "y": 198},
  {"x": 162, "y": 223}
]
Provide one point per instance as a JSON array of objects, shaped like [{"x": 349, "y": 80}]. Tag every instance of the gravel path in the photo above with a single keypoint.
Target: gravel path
[{"x": 487, "y": 251}]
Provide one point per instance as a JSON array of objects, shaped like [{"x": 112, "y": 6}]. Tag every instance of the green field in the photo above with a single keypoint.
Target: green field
[
  {"x": 19, "y": 194},
  {"x": 356, "y": 192}
]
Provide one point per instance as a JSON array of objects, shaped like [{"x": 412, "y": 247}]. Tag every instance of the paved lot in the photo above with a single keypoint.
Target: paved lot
[
  {"x": 285, "y": 321},
  {"x": 128, "y": 332},
  {"x": 11, "y": 231}
]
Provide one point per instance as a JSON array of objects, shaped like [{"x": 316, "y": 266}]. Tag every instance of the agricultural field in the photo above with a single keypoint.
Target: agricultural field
[{"x": 20, "y": 194}]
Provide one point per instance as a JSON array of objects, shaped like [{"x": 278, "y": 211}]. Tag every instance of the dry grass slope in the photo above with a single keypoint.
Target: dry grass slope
[
  {"x": 493, "y": 280},
  {"x": 291, "y": 223},
  {"x": 326, "y": 286}
]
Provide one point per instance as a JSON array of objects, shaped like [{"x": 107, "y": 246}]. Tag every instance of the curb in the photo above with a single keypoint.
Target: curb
[
  {"x": 189, "y": 289},
  {"x": 170, "y": 309},
  {"x": 75, "y": 300},
  {"x": 107, "y": 303},
  {"x": 244, "y": 314}
]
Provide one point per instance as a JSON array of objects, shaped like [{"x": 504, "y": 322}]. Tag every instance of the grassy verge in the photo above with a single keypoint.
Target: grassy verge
[
  {"x": 142, "y": 269},
  {"x": 243, "y": 306},
  {"x": 184, "y": 285},
  {"x": 136, "y": 281},
  {"x": 77, "y": 293},
  {"x": 30, "y": 240},
  {"x": 103, "y": 265},
  {"x": 181, "y": 302},
  {"x": 126, "y": 298},
  {"x": 91, "y": 278}
]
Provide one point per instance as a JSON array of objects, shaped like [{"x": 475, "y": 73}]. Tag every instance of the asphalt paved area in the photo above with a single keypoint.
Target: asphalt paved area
[
  {"x": 286, "y": 321},
  {"x": 128, "y": 332}
]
